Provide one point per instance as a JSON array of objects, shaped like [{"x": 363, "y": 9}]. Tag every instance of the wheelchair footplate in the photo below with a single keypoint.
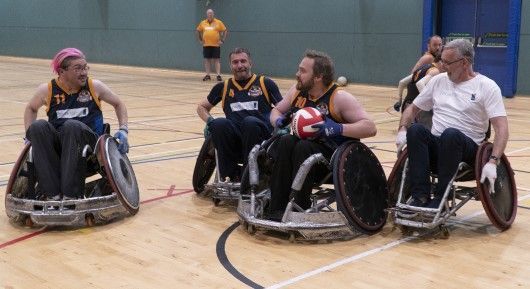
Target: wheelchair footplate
[
  {"x": 77, "y": 212},
  {"x": 224, "y": 191},
  {"x": 308, "y": 225}
]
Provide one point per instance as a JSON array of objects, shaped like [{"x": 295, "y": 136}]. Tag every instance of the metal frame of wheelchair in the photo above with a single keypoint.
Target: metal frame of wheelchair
[
  {"x": 358, "y": 209},
  {"x": 205, "y": 166},
  {"x": 114, "y": 195},
  {"x": 500, "y": 206}
]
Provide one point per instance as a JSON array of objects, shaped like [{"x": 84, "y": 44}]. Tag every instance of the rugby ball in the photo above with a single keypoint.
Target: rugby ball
[{"x": 303, "y": 120}]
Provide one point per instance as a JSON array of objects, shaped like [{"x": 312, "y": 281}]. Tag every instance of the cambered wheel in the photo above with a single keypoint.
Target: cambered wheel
[
  {"x": 360, "y": 187},
  {"x": 500, "y": 206},
  {"x": 204, "y": 166}
]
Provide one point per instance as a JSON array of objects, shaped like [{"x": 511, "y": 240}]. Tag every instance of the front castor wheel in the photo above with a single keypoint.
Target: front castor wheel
[
  {"x": 292, "y": 237},
  {"x": 444, "y": 232},
  {"x": 216, "y": 202},
  {"x": 251, "y": 229},
  {"x": 28, "y": 222},
  {"x": 89, "y": 220}
]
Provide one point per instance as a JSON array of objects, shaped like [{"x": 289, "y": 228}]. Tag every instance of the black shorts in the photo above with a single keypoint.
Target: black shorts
[{"x": 211, "y": 52}]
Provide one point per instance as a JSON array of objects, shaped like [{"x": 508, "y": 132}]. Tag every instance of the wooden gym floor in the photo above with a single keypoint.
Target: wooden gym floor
[{"x": 181, "y": 240}]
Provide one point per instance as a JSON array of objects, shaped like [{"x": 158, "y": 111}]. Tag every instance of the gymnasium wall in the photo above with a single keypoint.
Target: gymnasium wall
[
  {"x": 373, "y": 41},
  {"x": 523, "y": 84}
]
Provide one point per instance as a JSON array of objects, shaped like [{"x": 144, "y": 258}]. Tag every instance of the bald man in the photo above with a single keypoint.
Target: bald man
[{"x": 211, "y": 33}]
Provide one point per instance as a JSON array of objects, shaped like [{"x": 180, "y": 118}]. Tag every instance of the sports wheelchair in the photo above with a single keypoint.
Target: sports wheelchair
[
  {"x": 356, "y": 205},
  {"x": 205, "y": 166},
  {"x": 500, "y": 206},
  {"x": 114, "y": 194}
]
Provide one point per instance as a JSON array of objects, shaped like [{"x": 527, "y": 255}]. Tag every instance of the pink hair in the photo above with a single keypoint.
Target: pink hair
[{"x": 62, "y": 55}]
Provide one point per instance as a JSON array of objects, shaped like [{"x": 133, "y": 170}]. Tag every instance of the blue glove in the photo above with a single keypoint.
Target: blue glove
[
  {"x": 207, "y": 127},
  {"x": 283, "y": 120},
  {"x": 328, "y": 129},
  {"x": 123, "y": 142}
]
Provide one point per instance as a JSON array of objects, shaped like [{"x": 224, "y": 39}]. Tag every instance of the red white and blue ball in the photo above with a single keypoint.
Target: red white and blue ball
[{"x": 303, "y": 120}]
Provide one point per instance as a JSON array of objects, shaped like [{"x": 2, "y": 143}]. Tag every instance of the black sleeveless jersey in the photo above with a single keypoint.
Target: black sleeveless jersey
[
  {"x": 412, "y": 90},
  {"x": 254, "y": 98},
  {"x": 83, "y": 106},
  {"x": 324, "y": 104}
]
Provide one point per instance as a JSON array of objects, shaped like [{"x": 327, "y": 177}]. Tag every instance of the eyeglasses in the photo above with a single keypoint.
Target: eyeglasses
[
  {"x": 444, "y": 62},
  {"x": 79, "y": 68}
]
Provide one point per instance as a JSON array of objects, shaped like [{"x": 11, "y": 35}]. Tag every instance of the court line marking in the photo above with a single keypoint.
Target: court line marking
[
  {"x": 170, "y": 193},
  {"x": 366, "y": 254}
]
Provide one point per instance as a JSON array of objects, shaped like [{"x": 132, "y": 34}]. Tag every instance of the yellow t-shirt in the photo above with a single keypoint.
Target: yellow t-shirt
[{"x": 211, "y": 31}]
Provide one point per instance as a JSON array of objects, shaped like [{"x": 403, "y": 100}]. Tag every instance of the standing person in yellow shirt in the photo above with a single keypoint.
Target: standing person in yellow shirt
[{"x": 211, "y": 33}]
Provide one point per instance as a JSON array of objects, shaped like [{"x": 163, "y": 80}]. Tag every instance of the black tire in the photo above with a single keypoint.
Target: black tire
[
  {"x": 394, "y": 180},
  {"x": 360, "y": 187},
  {"x": 204, "y": 166}
]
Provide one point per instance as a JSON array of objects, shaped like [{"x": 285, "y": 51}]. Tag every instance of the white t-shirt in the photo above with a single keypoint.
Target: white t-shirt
[{"x": 466, "y": 106}]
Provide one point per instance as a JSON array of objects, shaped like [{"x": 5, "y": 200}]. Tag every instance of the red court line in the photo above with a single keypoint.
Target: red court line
[
  {"x": 170, "y": 193},
  {"x": 22, "y": 238}
]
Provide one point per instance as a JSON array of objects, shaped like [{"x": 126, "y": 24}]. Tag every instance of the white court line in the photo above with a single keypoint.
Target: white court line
[
  {"x": 368, "y": 253},
  {"x": 516, "y": 151}
]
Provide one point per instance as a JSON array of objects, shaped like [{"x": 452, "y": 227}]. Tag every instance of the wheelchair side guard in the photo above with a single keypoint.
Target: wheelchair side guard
[
  {"x": 360, "y": 186},
  {"x": 501, "y": 206},
  {"x": 119, "y": 172},
  {"x": 17, "y": 186},
  {"x": 14, "y": 186},
  {"x": 204, "y": 166}
]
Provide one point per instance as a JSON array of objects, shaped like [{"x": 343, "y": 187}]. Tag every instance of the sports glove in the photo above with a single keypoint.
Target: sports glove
[
  {"x": 123, "y": 142},
  {"x": 401, "y": 138},
  {"x": 328, "y": 129},
  {"x": 397, "y": 106},
  {"x": 489, "y": 171},
  {"x": 207, "y": 127},
  {"x": 283, "y": 120}
]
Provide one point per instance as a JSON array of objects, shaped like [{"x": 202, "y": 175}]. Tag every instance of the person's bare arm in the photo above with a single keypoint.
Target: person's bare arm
[
  {"x": 199, "y": 36},
  {"x": 425, "y": 59},
  {"x": 357, "y": 123},
  {"x": 203, "y": 109},
  {"x": 500, "y": 126},
  {"x": 105, "y": 94},
  {"x": 36, "y": 102},
  {"x": 223, "y": 35},
  {"x": 283, "y": 106}
]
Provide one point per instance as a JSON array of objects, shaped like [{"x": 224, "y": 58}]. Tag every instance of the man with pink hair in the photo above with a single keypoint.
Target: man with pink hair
[{"x": 73, "y": 106}]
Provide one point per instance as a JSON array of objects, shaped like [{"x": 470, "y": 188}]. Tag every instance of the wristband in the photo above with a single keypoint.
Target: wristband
[{"x": 124, "y": 127}]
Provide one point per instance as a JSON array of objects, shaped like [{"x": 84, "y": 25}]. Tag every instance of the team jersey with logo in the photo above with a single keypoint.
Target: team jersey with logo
[
  {"x": 253, "y": 97},
  {"x": 324, "y": 104},
  {"x": 412, "y": 89},
  {"x": 82, "y": 105}
]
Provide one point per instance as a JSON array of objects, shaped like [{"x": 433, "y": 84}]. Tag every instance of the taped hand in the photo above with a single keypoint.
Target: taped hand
[
  {"x": 328, "y": 129},
  {"x": 207, "y": 127},
  {"x": 401, "y": 138},
  {"x": 123, "y": 141}
]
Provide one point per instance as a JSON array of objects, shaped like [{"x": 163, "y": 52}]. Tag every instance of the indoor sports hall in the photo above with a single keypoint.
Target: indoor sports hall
[{"x": 148, "y": 54}]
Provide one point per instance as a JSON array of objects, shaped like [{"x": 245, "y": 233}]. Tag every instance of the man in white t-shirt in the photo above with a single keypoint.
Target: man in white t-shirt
[{"x": 464, "y": 103}]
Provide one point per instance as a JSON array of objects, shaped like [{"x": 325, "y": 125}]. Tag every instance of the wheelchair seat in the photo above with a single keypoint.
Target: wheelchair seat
[
  {"x": 355, "y": 205},
  {"x": 500, "y": 206},
  {"x": 114, "y": 194}
]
